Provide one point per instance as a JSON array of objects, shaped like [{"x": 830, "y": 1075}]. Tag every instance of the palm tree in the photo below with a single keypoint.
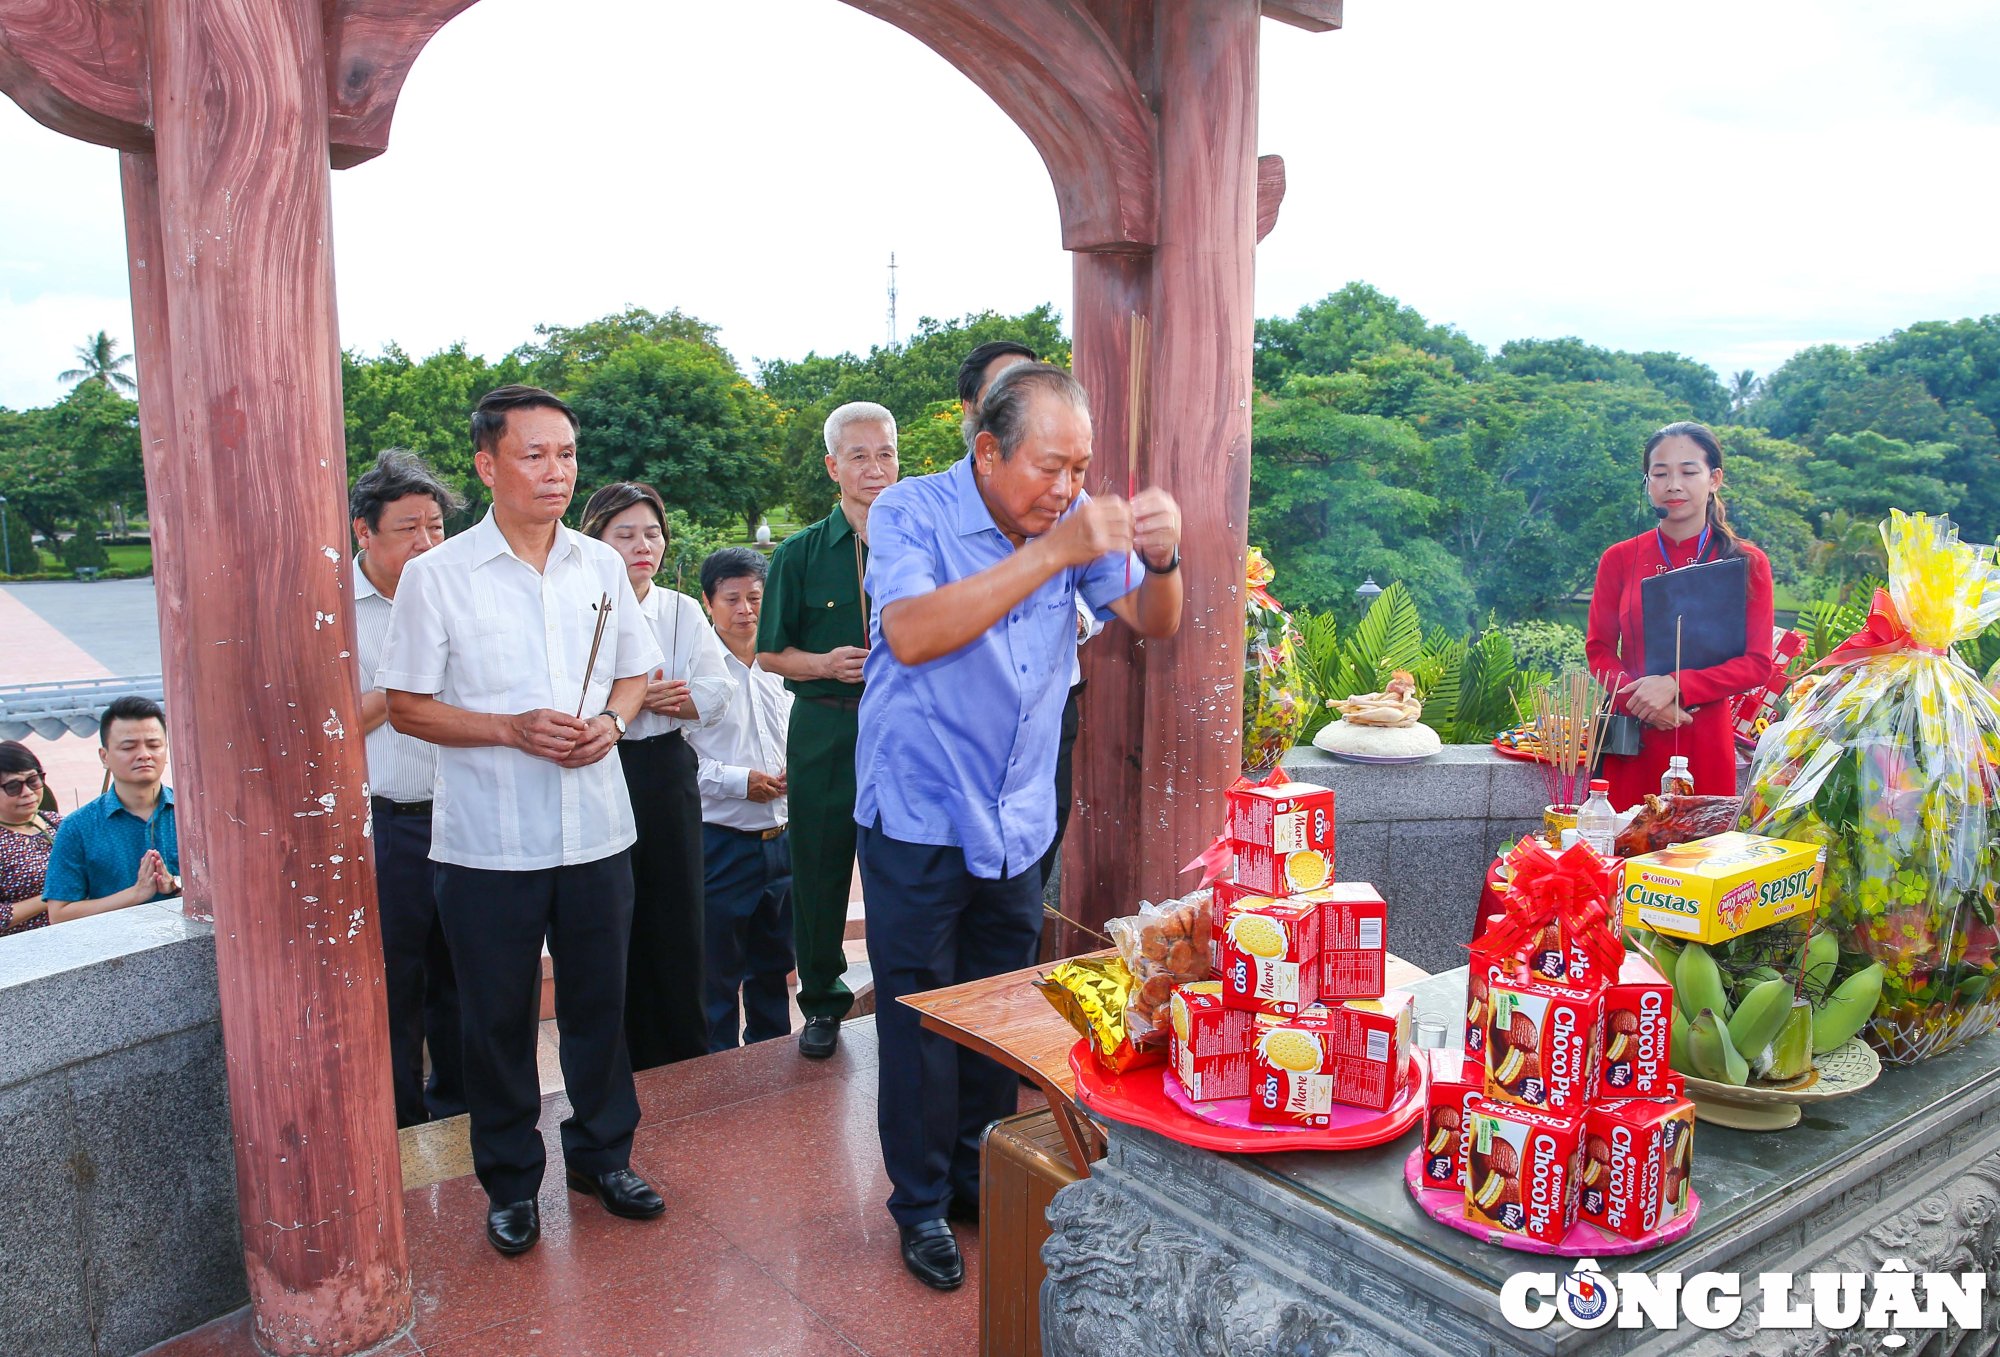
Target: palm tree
[
  {"x": 101, "y": 362},
  {"x": 1849, "y": 549},
  {"x": 1743, "y": 388}
]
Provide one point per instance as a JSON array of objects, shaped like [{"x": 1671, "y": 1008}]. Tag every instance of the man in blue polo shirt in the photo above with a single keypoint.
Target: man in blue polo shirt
[
  {"x": 121, "y": 849},
  {"x": 974, "y": 575}
]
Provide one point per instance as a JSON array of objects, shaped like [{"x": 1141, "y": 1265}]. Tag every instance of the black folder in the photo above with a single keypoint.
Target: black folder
[{"x": 1711, "y": 602}]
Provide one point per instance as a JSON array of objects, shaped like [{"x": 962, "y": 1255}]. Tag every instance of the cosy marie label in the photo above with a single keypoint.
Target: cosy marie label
[{"x": 1894, "y": 1298}]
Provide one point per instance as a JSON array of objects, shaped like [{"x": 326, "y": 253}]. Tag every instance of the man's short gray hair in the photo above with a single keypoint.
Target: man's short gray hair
[
  {"x": 1004, "y": 411},
  {"x": 856, "y": 412},
  {"x": 397, "y": 474}
]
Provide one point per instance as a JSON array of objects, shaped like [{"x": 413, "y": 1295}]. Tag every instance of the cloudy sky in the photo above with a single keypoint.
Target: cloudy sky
[{"x": 1729, "y": 180}]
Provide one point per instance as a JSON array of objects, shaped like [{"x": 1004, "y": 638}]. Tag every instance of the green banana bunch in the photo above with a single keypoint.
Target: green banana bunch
[
  {"x": 1698, "y": 983},
  {"x": 1679, "y": 1056},
  {"x": 1761, "y": 1016},
  {"x": 1789, "y": 1056},
  {"x": 1665, "y": 956},
  {"x": 1822, "y": 955},
  {"x": 1847, "y": 1010},
  {"x": 1714, "y": 1055}
]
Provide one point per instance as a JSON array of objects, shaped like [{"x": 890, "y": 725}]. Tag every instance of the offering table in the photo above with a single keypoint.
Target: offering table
[{"x": 1167, "y": 1249}]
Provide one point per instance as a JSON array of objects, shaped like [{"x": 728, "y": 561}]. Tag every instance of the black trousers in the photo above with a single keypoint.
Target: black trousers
[
  {"x": 665, "y": 1019},
  {"x": 1072, "y": 718},
  {"x": 416, "y": 964},
  {"x": 747, "y": 902},
  {"x": 931, "y": 923},
  {"x": 496, "y": 922}
]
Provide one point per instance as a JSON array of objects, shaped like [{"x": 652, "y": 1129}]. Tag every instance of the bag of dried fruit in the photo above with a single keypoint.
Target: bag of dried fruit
[
  {"x": 1891, "y": 758},
  {"x": 1275, "y": 705}
]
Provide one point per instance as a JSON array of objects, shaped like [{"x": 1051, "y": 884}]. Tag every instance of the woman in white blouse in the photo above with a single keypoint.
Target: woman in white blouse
[{"x": 664, "y": 1020}]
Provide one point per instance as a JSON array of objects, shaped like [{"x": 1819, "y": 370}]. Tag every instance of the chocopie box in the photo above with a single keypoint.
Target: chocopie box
[
  {"x": 1292, "y": 817},
  {"x": 1636, "y": 1037},
  {"x": 1558, "y": 955},
  {"x": 1485, "y": 967},
  {"x": 1455, "y": 1082},
  {"x": 1523, "y": 1170},
  {"x": 1210, "y": 1046},
  {"x": 1638, "y": 1159},
  {"x": 1266, "y": 952},
  {"x": 1541, "y": 1045},
  {"x": 1353, "y": 949},
  {"x": 1355, "y": 1053}
]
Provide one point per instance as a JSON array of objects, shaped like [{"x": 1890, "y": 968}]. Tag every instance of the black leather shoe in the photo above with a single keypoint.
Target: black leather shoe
[
  {"x": 820, "y": 1037},
  {"x": 931, "y": 1255},
  {"x": 623, "y": 1192},
  {"x": 963, "y": 1209},
  {"x": 514, "y": 1228}
]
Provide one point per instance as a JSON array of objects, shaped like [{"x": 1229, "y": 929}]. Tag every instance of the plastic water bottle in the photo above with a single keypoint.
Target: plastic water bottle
[
  {"x": 1596, "y": 822},
  {"x": 1677, "y": 780}
]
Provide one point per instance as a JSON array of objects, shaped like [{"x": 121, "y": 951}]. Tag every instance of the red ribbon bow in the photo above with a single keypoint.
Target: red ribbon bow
[
  {"x": 1571, "y": 890},
  {"x": 1219, "y": 856},
  {"x": 1884, "y": 634}
]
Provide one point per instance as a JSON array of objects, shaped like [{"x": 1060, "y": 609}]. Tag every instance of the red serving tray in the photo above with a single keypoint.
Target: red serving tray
[
  {"x": 1140, "y": 1099},
  {"x": 1508, "y": 751}
]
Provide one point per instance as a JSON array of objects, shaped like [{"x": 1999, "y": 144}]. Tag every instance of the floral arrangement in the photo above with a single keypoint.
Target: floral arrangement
[
  {"x": 1276, "y": 697},
  {"x": 1890, "y": 757}
]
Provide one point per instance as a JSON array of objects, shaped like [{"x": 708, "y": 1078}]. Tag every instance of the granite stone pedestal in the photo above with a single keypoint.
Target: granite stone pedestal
[{"x": 1170, "y": 1250}]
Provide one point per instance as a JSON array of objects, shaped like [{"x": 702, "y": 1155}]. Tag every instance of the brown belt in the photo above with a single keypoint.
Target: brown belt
[
  {"x": 765, "y": 835},
  {"x": 836, "y": 703}
]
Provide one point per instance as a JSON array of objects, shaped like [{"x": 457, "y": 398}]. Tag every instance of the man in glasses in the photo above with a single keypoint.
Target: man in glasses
[{"x": 121, "y": 849}]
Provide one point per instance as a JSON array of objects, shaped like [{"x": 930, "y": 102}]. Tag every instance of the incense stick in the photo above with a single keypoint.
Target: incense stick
[
  {"x": 603, "y": 616},
  {"x": 1135, "y": 397},
  {"x": 1677, "y": 682},
  {"x": 1570, "y": 718}
]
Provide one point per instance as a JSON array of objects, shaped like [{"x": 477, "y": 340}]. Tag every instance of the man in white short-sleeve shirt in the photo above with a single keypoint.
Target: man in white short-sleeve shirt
[
  {"x": 398, "y": 508},
  {"x": 494, "y": 656}
]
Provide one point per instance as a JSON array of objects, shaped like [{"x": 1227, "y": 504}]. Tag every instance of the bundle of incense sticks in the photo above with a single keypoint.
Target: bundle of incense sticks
[
  {"x": 603, "y": 610},
  {"x": 1135, "y": 406},
  {"x": 1569, "y": 719}
]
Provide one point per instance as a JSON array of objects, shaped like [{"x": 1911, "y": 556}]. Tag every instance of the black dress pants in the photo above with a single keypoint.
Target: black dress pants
[
  {"x": 496, "y": 923},
  {"x": 416, "y": 965},
  {"x": 1072, "y": 719},
  {"x": 665, "y": 1015}
]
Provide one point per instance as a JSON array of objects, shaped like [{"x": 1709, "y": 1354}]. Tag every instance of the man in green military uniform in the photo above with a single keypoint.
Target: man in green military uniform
[{"x": 814, "y": 635}]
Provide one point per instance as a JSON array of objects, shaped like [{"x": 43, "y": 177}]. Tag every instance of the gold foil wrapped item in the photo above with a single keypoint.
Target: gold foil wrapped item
[{"x": 1092, "y": 993}]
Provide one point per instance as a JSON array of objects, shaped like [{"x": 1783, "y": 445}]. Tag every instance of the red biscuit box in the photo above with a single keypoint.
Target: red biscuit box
[
  {"x": 1523, "y": 1170},
  {"x": 1638, "y": 1159},
  {"x": 1211, "y": 1043},
  {"x": 1273, "y": 872},
  {"x": 1267, "y": 953},
  {"x": 1455, "y": 1082},
  {"x": 1355, "y": 1053},
  {"x": 1636, "y": 1033},
  {"x": 1291, "y": 817},
  {"x": 1485, "y": 967},
  {"x": 1353, "y": 950},
  {"x": 1541, "y": 1045}
]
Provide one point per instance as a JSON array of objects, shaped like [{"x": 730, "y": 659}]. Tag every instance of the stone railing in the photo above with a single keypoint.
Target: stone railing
[
  {"x": 1424, "y": 834},
  {"x": 119, "y": 1216}
]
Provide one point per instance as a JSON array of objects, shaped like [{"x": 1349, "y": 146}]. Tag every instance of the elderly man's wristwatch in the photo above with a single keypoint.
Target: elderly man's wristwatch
[
  {"x": 1173, "y": 563},
  {"x": 616, "y": 720}
]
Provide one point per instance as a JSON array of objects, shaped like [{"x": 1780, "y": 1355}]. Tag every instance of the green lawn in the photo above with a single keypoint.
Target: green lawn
[{"x": 138, "y": 559}]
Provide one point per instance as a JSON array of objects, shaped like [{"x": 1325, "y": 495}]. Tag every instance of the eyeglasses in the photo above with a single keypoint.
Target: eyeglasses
[{"x": 15, "y": 786}]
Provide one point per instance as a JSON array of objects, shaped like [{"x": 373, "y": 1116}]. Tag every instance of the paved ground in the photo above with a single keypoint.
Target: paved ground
[{"x": 115, "y": 622}]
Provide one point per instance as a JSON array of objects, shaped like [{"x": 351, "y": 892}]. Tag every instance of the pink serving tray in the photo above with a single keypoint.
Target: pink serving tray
[{"x": 1446, "y": 1206}]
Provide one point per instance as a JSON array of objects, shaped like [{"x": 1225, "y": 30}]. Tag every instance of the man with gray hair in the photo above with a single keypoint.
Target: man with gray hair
[
  {"x": 399, "y": 507},
  {"x": 814, "y": 634}
]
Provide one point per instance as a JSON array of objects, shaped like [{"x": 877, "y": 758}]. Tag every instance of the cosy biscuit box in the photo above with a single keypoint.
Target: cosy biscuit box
[
  {"x": 1353, "y": 950},
  {"x": 1716, "y": 888},
  {"x": 1523, "y": 1170},
  {"x": 1541, "y": 1045},
  {"x": 1210, "y": 1047},
  {"x": 1355, "y": 1054},
  {"x": 1638, "y": 1160},
  {"x": 1283, "y": 837},
  {"x": 1455, "y": 1082},
  {"x": 1266, "y": 952},
  {"x": 1635, "y": 1039}
]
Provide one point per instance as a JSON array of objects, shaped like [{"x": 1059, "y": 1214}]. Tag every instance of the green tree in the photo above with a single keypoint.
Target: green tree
[
  {"x": 1769, "y": 505},
  {"x": 43, "y": 484},
  {"x": 1792, "y": 397},
  {"x": 20, "y": 558},
  {"x": 1868, "y": 475},
  {"x": 99, "y": 361},
  {"x": 678, "y": 415},
  {"x": 1848, "y": 550},
  {"x": 1898, "y": 404},
  {"x": 1333, "y": 334},
  {"x": 82, "y": 550},
  {"x": 100, "y": 429},
  {"x": 561, "y": 354},
  {"x": 1958, "y": 361},
  {"x": 1567, "y": 360},
  {"x": 394, "y": 401},
  {"x": 1688, "y": 383},
  {"x": 1743, "y": 389}
]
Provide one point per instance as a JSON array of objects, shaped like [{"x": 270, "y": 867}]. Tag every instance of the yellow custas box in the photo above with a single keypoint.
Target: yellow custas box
[{"x": 1716, "y": 888}]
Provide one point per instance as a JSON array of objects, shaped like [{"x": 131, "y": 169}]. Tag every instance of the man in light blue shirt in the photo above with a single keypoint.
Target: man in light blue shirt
[{"x": 973, "y": 577}]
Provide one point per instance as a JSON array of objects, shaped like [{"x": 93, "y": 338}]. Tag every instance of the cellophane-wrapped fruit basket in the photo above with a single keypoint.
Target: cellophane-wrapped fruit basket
[
  {"x": 1891, "y": 758},
  {"x": 1275, "y": 701}
]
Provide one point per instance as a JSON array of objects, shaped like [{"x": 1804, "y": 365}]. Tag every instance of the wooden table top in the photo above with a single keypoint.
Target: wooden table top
[{"x": 1006, "y": 1017}]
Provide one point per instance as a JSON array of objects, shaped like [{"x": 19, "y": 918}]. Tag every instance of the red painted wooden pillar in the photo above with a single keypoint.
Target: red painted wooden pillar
[
  {"x": 233, "y": 267},
  {"x": 1162, "y": 719}
]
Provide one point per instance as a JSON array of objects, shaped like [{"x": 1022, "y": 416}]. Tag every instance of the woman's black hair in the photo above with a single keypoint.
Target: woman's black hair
[
  {"x": 1726, "y": 542},
  {"x": 16, "y": 757}
]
